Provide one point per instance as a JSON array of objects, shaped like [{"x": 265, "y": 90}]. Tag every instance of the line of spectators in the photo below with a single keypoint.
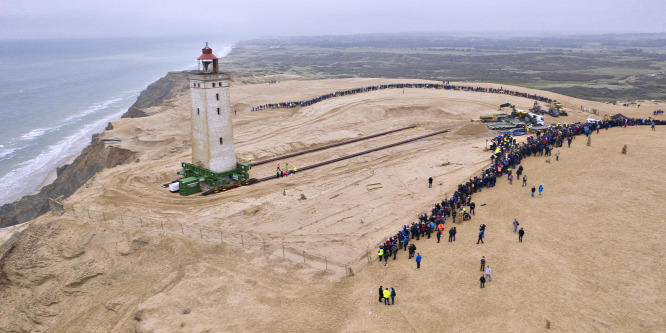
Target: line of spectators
[
  {"x": 506, "y": 157},
  {"x": 444, "y": 86}
]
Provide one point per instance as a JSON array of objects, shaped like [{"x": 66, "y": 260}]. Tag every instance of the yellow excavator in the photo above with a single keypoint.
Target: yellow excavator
[{"x": 556, "y": 109}]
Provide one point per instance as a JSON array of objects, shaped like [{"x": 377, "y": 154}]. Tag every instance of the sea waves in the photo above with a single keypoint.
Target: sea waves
[{"x": 75, "y": 132}]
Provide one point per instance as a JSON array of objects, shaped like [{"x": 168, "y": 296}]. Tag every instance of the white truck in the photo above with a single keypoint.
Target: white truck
[{"x": 538, "y": 118}]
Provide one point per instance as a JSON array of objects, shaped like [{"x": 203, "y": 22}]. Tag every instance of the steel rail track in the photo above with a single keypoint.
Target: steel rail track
[
  {"x": 316, "y": 165},
  {"x": 330, "y": 146}
]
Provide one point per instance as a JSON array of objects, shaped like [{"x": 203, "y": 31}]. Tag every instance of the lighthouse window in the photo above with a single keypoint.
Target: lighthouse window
[
  {"x": 218, "y": 110},
  {"x": 213, "y": 84},
  {"x": 217, "y": 96},
  {"x": 220, "y": 140},
  {"x": 219, "y": 84}
]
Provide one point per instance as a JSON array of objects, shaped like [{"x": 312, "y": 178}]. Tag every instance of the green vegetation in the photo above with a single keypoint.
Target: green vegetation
[{"x": 604, "y": 68}]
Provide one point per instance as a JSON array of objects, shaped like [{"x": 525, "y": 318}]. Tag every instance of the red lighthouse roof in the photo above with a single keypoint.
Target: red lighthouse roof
[{"x": 207, "y": 53}]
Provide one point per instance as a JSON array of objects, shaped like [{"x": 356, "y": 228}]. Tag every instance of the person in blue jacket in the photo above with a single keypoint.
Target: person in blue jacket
[{"x": 418, "y": 261}]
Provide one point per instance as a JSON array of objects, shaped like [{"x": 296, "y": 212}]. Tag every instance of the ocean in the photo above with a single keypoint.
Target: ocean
[{"x": 54, "y": 94}]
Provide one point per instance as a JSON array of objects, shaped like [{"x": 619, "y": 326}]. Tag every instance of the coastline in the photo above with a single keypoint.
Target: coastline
[{"x": 78, "y": 168}]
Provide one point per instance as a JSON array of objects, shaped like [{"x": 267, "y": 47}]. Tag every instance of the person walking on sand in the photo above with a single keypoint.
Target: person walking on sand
[
  {"x": 418, "y": 261},
  {"x": 483, "y": 263},
  {"x": 533, "y": 190},
  {"x": 557, "y": 155},
  {"x": 515, "y": 224},
  {"x": 387, "y": 296},
  {"x": 430, "y": 182},
  {"x": 540, "y": 190},
  {"x": 393, "y": 295},
  {"x": 521, "y": 233},
  {"x": 510, "y": 179},
  {"x": 524, "y": 180},
  {"x": 483, "y": 281},
  {"x": 488, "y": 271},
  {"x": 381, "y": 293},
  {"x": 480, "y": 237}
]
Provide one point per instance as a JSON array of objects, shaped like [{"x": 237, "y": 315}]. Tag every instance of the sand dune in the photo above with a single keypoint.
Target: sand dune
[{"x": 591, "y": 260}]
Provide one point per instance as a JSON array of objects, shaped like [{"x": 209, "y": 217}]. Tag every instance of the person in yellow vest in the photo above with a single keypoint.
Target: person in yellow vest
[
  {"x": 294, "y": 171},
  {"x": 387, "y": 296},
  {"x": 380, "y": 253}
]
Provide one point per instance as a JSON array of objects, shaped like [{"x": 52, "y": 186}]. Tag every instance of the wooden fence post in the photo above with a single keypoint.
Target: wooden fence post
[{"x": 242, "y": 245}]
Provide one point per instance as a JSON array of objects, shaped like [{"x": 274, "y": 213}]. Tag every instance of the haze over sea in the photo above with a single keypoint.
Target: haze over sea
[{"x": 54, "y": 94}]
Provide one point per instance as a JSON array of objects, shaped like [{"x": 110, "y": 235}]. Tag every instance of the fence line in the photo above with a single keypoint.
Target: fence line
[{"x": 196, "y": 232}]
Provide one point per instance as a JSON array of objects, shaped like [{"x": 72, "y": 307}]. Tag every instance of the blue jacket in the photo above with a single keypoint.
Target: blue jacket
[{"x": 418, "y": 258}]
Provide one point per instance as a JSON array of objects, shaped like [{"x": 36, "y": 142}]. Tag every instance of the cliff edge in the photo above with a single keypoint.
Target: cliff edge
[
  {"x": 94, "y": 158},
  {"x": 157, "y": 92}
]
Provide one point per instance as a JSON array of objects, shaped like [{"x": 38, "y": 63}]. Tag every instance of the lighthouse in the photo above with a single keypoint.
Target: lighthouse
[
  {"x": 214, "y": 167},
  {"x": 212, "y": 130}
]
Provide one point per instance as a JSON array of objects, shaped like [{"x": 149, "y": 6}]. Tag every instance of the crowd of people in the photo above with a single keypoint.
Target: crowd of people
[
  {"x": 444, "y": 85},
  {"x": 505, "y": 159}
]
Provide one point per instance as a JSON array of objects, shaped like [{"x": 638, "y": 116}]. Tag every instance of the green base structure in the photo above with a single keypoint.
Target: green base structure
[{"x": 194, "y": 176}]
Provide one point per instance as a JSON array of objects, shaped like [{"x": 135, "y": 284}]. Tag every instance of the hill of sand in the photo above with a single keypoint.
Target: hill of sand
[{"x": 591, "y": 259}]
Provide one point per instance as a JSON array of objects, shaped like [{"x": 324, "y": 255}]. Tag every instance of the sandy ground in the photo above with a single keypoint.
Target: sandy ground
[
  {"x": 341, "y": 216},
  {"x": 591, "y": 259}
]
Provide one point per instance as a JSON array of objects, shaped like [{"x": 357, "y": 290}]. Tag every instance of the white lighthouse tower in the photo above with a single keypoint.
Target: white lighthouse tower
[{"x": 212, "y": 130}]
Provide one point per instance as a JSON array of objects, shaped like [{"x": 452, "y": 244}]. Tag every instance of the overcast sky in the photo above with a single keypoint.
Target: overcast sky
[{"x": 240, "y": 19}]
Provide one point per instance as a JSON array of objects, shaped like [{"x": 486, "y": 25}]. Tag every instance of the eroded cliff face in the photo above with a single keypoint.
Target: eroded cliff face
[
  {"x": 157, "y": 92},
  {"x": 94, "y": 158}
]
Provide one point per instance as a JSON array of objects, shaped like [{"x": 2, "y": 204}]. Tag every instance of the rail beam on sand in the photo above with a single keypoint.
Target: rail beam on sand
[
  {"x": 331, "y": 146},
  {"x": 254, "y": 180}
]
